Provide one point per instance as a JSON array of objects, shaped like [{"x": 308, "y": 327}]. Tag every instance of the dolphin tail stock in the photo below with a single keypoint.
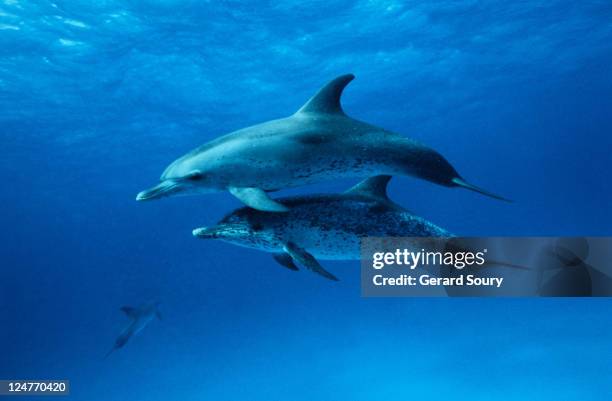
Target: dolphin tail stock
[
  {"x": 509, "y": 265},
  {"x": 110, "y": 352},
  {"x": 454, "y": 247},
  {"x": 460, "y": 182}
]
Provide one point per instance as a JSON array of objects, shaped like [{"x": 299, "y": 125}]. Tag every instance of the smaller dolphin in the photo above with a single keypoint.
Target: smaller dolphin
[
  {"x": 140, "y": 317},
  {"x": 326, "y": 227}
]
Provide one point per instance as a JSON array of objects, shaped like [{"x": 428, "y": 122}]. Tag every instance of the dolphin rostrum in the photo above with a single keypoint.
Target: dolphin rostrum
[
  {"x": 327, "y": 227},
  {"x": 139, "y": 317},
  {"x": 317, "y": 143}
]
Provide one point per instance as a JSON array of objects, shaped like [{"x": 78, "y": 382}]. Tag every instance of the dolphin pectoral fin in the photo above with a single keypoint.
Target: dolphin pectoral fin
[
  {"x": 305, "y": 259},
  {"x": 460, "y": 182},
  {"x": 327, "y": 99},
  {"x": 129, "y": 311},
  {"x": 285, "y": 260},
  {"x": 257, "y": 199}
]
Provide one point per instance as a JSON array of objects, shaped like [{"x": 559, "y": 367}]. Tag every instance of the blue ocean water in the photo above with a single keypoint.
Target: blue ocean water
[{"x": 97, "y": 97}]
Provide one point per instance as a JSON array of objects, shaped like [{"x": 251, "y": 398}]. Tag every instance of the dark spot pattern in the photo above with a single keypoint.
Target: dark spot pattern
[{"x": 329, "y": 225}]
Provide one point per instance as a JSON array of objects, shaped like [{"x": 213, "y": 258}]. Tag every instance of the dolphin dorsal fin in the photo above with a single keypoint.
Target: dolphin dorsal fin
[
  {"x": 130, "y": 311},
  {"x": 327, "y": 99},
  {"x": 374, "y": 187}
]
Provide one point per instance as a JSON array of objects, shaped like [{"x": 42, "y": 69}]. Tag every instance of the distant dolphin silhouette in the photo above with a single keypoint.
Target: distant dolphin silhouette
[
  {"x": 140, "y": 317},
  {"x": 317, "y": 143},
  {"x": 326, "y": 227}
]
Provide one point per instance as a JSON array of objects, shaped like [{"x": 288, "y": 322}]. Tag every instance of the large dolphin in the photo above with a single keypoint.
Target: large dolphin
[
  {"x": 139, "y": 317},
  {"x": 326, "y": 227},
  {"x": 317, "y": 143}
]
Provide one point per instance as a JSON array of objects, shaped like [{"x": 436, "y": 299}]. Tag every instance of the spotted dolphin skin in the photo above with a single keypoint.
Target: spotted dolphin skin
[
  {"x": 326, "y": 227},
  {"x": 317, "y": 143},
  {"x": 139, "y": 317}
]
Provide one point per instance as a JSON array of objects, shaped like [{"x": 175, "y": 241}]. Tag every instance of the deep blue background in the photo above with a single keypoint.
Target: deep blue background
[{"x": 96, "y": 98}]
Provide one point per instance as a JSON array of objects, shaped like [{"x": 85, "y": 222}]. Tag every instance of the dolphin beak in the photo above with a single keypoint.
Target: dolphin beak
[
  {"x": 205, "y": 232},
  {"x": 164, "y": 188}
]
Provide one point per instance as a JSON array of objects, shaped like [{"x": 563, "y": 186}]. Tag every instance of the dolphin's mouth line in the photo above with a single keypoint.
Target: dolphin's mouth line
[
  {"x": 221, "y": 231},
  {"x": 202, "y": 232},
  {"x": 161, "y": 190},
  {"x": 213, "y": 232}
]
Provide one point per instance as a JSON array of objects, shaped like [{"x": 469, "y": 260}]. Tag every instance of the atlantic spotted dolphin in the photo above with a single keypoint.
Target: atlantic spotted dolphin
[
  {"x": 317, "y": 143},
  {"x": 326, "y": 227},
  {"x": 139, "y": 317}
]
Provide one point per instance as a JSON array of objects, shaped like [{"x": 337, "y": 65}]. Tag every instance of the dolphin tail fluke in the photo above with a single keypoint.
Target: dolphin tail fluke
[{"x": 460, "y": 182}]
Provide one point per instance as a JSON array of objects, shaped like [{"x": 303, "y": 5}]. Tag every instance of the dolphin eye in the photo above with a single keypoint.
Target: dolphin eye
[{"x": 194, "y": 176}]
